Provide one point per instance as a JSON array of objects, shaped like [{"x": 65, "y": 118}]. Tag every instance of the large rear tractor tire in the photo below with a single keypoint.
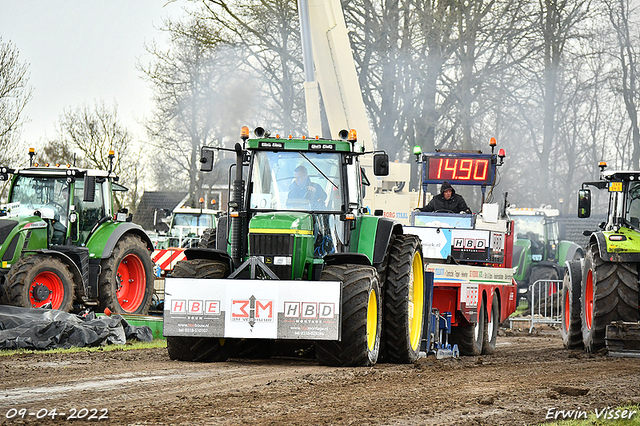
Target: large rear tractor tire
[
  {"x": 208, "y": 238},
  {"x": 490, "y": 335},
  {"x": 361, "y": 315},
  {"x": 469, "y": 338},
  {"x": 126, "y": 282},
  {"x": 200, "y": 349},
  {"x": 38, "y": 281},
  {"x": 404, "y": 300},
  {"x": 609, "y": 293},
  {"x": 571, "y": 329}
]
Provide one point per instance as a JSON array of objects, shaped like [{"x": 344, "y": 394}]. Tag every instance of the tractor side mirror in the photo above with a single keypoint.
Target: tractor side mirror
[
  {"x": 584, "y": 203},
  {"x": 206, "y": 159},
  {"x": 381, "y": 164},
  {"x": 89, "y": 189}
]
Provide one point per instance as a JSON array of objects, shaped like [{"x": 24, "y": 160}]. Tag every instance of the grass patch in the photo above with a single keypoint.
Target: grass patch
[
  {"x": 157, "y": 343},
  {"x": 607, "y": 417}
]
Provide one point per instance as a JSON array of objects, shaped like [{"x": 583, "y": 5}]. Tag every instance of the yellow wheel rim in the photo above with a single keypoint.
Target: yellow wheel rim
[
  {"x": 372, "y": 320},
  {"x": 416, "y": 300}
]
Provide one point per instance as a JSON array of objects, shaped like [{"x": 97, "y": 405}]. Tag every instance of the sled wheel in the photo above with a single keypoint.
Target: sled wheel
[
  {"x": 469, "y": 337},
  {"x": 571, "y": 329},
  {"x": 126, "y": 281},
  {"x": 36, "y": 281},
  {"x": 200, "y": 349},
  {"x": 252, "y": 348},
  {"x": 491, "y": 330},
  {"x": 609, "y": 293},
  {"x": 361, "y": 318},
  {"x": 404, "y": 300}
]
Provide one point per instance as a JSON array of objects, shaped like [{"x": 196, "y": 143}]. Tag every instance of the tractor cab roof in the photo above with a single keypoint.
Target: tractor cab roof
[
  {"x": 528, "y": 211},
  {"x": 290, "y": 144},
  {"x": 621, "y": 175},
  {"x": 192, "y": 210},
  {"x": 55, "y": 171}
]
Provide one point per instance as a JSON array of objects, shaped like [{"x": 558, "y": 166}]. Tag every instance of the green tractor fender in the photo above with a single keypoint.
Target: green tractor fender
[
  {"x": 627, "y": 250},
  {"x": 522, "y": 259},
  {"x": 373, "y": 235},
  {"x": 105, "y": 238},
  {"x": 568, "y": 250}
]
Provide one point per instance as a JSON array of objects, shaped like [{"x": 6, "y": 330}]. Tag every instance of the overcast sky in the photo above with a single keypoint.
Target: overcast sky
[{"x": 80, "y": 51}]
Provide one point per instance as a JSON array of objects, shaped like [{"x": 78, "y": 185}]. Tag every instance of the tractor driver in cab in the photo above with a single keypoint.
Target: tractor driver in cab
[
  {"x": 447, "y": 201},
  {"x": 303, "y": 188}
]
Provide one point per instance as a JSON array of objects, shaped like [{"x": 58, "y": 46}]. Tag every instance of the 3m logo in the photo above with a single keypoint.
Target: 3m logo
[
  {"x": 252, "y": 310},
  {"x": 309, "y": 310}
]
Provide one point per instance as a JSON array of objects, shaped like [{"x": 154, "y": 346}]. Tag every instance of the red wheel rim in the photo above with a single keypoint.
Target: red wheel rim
[
  {"x": 51, "y": 282},
  {"x": 566, "y": 311},
  {"x": 131, "y": 283},
  {"x": 588, "y": 299}
]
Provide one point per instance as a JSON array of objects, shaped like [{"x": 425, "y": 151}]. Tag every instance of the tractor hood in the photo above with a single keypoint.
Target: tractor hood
[
  {"x": 285, "y": 242},
  {"x": 281, "y": 223}
]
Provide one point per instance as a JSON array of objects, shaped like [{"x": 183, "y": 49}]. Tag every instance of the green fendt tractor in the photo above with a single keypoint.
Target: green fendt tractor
[
  {"x": 300, "y": 263},
  {"x": 538, "y": 252},
  {"x": 600, "y": 294},
  {"x": 63, "y": 244}
]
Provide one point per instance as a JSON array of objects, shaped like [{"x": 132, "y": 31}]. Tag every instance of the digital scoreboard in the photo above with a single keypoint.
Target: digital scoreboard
[{"x": 461, "y": 169}]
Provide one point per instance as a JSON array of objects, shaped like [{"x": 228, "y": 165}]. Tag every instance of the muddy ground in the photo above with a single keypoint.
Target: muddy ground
[{"x": 527, "y": 379}]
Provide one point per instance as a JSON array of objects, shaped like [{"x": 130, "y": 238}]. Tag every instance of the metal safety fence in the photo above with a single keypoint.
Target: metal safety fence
[{"x": 545, "y": 305}]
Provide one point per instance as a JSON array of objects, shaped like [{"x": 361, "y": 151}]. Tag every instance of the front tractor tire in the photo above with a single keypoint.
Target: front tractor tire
[
  {"x": 126, "y": 281},
  {"x": 571, "y": 329},
  {"x": 609, "y": 293},
  {"x": 404, "y": 300},
  {"x": 200, "y": 349},
  {"x": 361, "y": 315},
  {"x": 38, "y": 281}
]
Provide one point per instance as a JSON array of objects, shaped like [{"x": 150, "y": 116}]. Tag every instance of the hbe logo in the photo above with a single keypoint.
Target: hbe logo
[{"x": 195, "y": 307}]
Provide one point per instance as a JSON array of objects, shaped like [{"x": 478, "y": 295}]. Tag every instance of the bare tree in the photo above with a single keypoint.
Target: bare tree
[
  {"x": 621, "y": 14},
  {"x": 89, "y": 134},
  {"x": 201, "y": 94},
  {"x": 15, "y": 93}
]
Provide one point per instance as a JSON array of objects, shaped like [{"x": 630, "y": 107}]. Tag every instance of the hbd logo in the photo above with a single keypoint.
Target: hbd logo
[
  {"x": 469, "y": 244},
  {"x": 309, "y": 310},
  {"x": 252, "y": 310}
]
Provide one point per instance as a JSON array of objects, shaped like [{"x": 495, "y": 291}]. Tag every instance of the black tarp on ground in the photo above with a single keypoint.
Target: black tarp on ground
[{"x": 33, "y": 328}]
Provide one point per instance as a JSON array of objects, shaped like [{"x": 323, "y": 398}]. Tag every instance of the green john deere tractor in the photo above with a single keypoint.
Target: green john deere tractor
[
  {"x": 600, "y": 294},
  {"x": 538, "y": 251},
  {"x": 63, "y": 245},
  {"x": 299, "y": 263}
]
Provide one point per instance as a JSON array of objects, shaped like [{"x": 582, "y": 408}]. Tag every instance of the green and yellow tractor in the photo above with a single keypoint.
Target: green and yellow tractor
[
  {"x": 64, "y": 246},
  {"x": 600, "y": 293},
  {"x": 300, "y": 263}
]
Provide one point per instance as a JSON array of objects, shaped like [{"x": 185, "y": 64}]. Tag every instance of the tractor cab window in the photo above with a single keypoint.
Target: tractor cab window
[
  {"x": 89, "y": 213},
  {"x": 49, "y": 196},
  {"x": 531, "y": 228},
  {"x": 633, "y": 203},
  {"x": 301, "y": 181},
  {"x": 46, "y": 196},
  {"x": 553, "y": 238}
]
